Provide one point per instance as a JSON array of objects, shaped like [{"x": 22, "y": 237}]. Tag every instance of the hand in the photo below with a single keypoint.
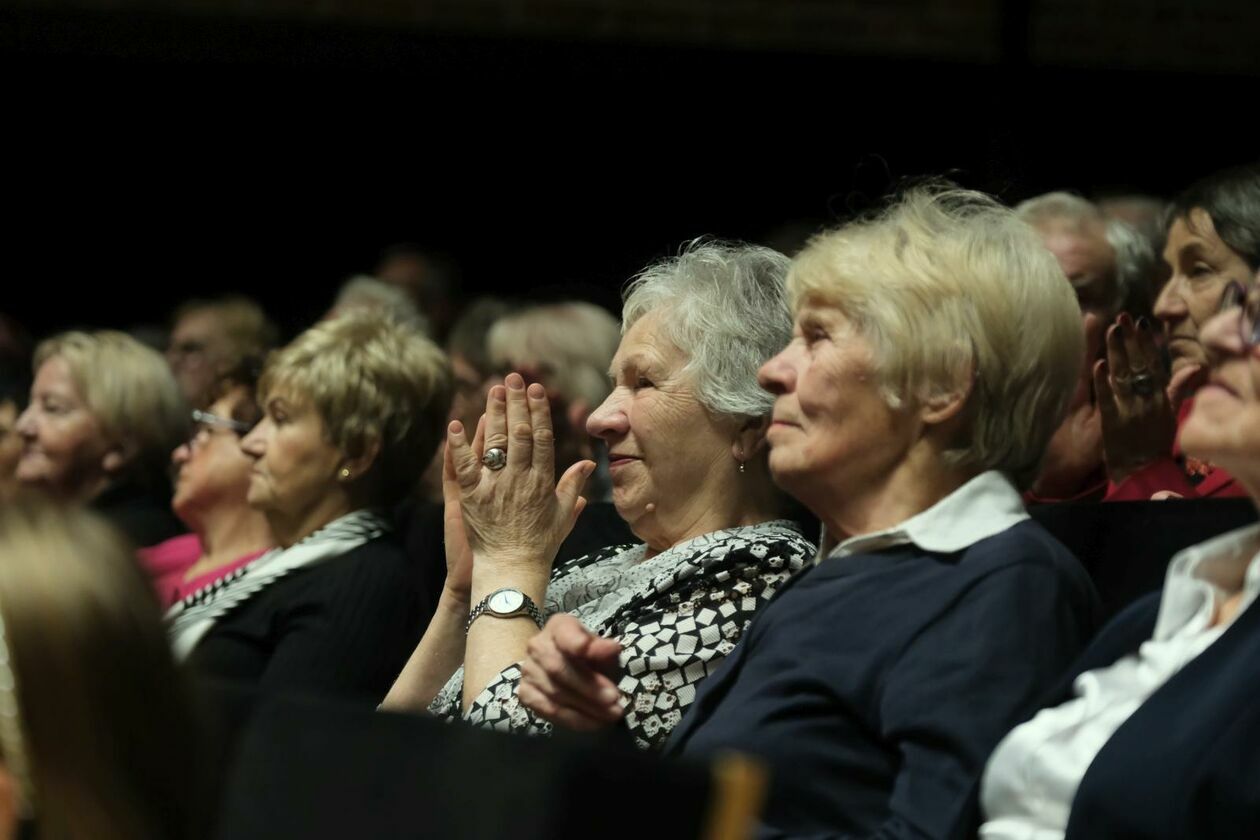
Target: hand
[
  {"x": 459, "y": 557},
  {"x": 1075, "y": 451},
  {"x": 518, "y": 514},
  {"x": 1135, "y": 398},
  {"x": 565, "y": 676}
]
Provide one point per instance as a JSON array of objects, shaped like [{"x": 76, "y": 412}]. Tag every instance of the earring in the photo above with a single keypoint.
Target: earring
[
  {"x": 345, "y": 473},
  {"x": 741, "y": 467}
]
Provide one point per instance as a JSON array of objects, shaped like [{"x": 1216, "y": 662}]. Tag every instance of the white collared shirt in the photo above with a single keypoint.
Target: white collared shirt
[
  {"x": 1032, "y": 776},
  {"x": 985, "y": 505}
]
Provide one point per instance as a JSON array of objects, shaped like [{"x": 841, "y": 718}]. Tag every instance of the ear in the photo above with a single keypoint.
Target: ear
[
  {"x": 361, "y": 462},
  {"x": 117, "y": 456},
  {"x": 750, "y": 439},
  {"x": 939, "y": 409}
]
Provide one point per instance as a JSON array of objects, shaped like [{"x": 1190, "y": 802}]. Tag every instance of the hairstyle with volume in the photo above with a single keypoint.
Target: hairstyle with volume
[
  {"x": 570, "y": 344},
  {"x": 1231, "y": 198},
  {"x": 950, "y": 286},
  {"x": 130, "y": 391},
  {"x": 371, "y": 380},
  {"x": 724, "y": 305},
  {"x": 100, "y": 733}
]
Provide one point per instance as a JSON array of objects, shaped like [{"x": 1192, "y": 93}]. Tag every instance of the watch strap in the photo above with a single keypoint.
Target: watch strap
[{"x": 527, "y": 607}]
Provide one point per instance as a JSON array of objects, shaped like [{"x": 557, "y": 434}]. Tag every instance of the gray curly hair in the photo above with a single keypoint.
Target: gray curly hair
[{"x": 724, "y": 304}]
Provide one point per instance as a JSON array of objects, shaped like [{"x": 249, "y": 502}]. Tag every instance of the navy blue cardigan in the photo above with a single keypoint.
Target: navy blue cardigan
[
  {"x": 876, "y": 685},
  {"x": 1186, "y": 764}
]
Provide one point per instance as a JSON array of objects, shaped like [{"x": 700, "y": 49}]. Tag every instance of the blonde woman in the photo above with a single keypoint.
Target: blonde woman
[
  {"x": 104, "y": 414},
  {"x": 96, "y": 736},
  {"x": 352, "y": 412}
]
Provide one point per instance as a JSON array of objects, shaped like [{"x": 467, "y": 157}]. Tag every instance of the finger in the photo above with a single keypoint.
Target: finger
[
  {"x": 496, "y": 419},
  {"x": 479, "y": 438},
  {"x": 569, "y": 488},
  {"x": 1117, "y": 357},
  {"x": 1183, "y": 383},
  {"x": 1165, "y": 495},
  {"x": 566, "y": 686},
  {"x": 544, "y": 435},
  {"x": 1147, "y": 351},
  {"x": 520, "y": 431},
  {"x": 560, "y": 715},
  {"x": 1129, "y": 339},
  {"x": 1106, "y": 399},
  {"x": 467, "y": 467}
]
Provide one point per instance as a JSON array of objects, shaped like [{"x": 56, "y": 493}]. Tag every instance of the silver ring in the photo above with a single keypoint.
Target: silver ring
[
  {"x": 1143, "y": 384},
  {"x": 495, "y": 459}
]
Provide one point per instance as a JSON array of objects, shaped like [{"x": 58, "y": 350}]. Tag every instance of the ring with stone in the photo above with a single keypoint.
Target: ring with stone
[
  {"x": 495, "y": 459},
  {"x": 1143, "y": 384}
]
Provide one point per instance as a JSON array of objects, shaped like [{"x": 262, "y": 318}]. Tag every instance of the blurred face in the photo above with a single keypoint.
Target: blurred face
[
  {"x": 668, "y": 456},
  {"x": 1224, "y": 425},
  {"x": 195, "y": 353},
  {"x": 212, "y": 469},
  {"x": 832, "y": 431},
  {"x": 64, "y": 449},
  {"x": 1089, "y": 263},
  {"x": 1201, "y": 266},
  {"x": 471, "y": 388},
  {"x": 10, "y": 445},
  {"x": 295, "y": 465}
]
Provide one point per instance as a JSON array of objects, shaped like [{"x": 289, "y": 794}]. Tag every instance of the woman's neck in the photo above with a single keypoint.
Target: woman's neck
[
  {"x": 227, "y": 535},
  {"x": 290, "y": 527},
  {"x": 749, "y": 502}
]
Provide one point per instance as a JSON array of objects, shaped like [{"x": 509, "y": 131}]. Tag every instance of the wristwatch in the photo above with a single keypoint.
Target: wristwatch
[{"x": 506, "y": 603}]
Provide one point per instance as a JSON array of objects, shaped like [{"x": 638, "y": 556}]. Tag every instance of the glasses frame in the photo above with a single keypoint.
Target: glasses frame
[
  {"x": 204, "y": 421},
  {"x": 1236, "y": 295}
]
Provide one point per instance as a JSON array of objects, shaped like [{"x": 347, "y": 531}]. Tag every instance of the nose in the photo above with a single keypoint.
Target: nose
[
  {"x": 180, "y": 454},
  {"x": 778, "y": 375},
  {"x": 1170, "y": 305},
  {"x": 254, "y": 443},
  {"x": 26, "y": 425},
  {"x": 609, "y": 420}
]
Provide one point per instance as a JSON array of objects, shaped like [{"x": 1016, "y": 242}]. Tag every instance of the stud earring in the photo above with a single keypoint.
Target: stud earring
[{"x": 345, "y": 473}]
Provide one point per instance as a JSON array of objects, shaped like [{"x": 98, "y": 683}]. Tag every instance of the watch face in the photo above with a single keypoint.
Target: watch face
[{"x": 506, "y": 601}]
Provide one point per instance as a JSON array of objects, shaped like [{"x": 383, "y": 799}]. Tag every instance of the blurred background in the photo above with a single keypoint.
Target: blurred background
[{"x": 157, "y": 151}]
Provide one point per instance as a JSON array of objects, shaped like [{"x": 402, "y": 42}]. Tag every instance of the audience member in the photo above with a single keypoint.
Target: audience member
[
  {"x": 1213, "y": 241},
  {"x": 468, "y": 347},
  {"x": 1109, "y": 266},
  {"x": 567, "y": 348},
  {"x": 428, "y": 279},
  {"x": 685, "y": 426},
  {"x": 211, "y": 483},
  {"x": 104, "y": 414},
  {"x": 1155, "y": 733},
  {"x": 352, "y": 411},
  {"x": 97, "y": 739},
  {"x": 363, "y": 293},
  {"x": 914, "y": 401},
  {"x": 209, "y": 337}
]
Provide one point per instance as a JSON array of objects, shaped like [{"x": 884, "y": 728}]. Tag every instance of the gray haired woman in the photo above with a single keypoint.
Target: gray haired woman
[{"x": 685, "y": 429}]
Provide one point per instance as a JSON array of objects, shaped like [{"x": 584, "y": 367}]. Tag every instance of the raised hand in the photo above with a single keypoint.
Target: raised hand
[{"x": 516, "y": 513}]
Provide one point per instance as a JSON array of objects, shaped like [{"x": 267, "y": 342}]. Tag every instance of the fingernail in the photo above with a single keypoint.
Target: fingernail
[
  {"x": 609, "y": 694},
  {"x": 536, "y": 391},
  {"x": 515, "y": 382},
  {"x": 498, "y": 393}
]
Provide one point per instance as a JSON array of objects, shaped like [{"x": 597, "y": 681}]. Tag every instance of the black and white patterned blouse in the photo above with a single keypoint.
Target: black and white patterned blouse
[{"x": 676, "y": 615}]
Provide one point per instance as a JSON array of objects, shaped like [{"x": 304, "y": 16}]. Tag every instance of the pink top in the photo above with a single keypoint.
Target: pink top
[{"x": 168, "y": 562}]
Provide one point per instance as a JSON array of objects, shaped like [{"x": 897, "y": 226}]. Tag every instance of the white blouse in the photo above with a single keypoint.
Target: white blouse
[{"x": 1032, "y": 776}]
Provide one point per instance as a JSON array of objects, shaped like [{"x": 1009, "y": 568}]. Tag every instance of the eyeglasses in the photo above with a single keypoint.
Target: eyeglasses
[
  {"x": 1236, "y": 296},
  {"x": 204, "y": 421}
]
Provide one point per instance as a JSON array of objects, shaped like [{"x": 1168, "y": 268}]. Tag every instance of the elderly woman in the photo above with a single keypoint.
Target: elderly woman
[
  {"x": 913, "y": 403},
  {"x": 353, "y": 410},
  {"x": 212, "y": 480},
  {"x": 1156, "y": 732},
  {"x": 97, "y": 738},
  {"x": 104, "y": 414},
  {"x": 1213, "y": 241},
  {"x": 685, "y": 429}
]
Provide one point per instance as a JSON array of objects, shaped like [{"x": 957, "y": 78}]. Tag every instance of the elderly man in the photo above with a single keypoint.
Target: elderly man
[{"x": 1108, "y": 265}]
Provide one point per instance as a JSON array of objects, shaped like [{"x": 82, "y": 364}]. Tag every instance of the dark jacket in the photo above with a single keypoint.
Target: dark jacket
[{"x": 876, "y": 685}]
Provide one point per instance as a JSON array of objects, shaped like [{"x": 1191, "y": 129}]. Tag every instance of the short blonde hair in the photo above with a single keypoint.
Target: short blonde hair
[
  {"x": 131, "y": 392},
  {"x": 571, "y": 343},
  {"x": 246, "y": 327},
  {"x": 950, "y": 286},
  {"x": 103, "y": 718},
  {"x": 371, "y": 380}
]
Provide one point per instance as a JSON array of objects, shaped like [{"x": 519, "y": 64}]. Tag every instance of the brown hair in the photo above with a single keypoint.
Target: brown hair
[{"x": 107, "y": 728}]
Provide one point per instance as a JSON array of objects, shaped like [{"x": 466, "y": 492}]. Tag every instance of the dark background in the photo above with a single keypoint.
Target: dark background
[{"x": 156, "y": 156}]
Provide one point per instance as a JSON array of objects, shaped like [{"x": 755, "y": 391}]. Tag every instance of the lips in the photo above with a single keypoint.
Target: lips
[{"x": 619, "y": 459}]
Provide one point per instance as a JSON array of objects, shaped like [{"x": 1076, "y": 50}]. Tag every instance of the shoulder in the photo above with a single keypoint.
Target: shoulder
[{"x": 595, "y": 558}]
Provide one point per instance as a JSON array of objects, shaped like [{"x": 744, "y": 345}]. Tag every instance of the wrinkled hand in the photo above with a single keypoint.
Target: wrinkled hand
[
  {"x": 565, "y": 676},
  {"x": 1075, "y": 451},
  {"x": 518, "y": 514},
  {"x": 1137, "y": 400},
  {"x": 459, "y": 557}
]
